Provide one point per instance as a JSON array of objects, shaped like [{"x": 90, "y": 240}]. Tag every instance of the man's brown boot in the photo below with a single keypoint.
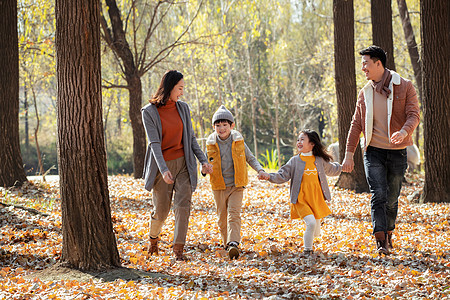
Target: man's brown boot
[
  {"x": 380, "y": 238},
  {"x": 153, "y": 246},
  {"x": 178, "y": 252},
  {"x": 389, "y": 245}
]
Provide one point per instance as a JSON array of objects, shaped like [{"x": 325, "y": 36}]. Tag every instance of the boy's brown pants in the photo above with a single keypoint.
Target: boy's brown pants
[
  {"x": 162, "y": 200},
  {"x": 228, "y": 205}
]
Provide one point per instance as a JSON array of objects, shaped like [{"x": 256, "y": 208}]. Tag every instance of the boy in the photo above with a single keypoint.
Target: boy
[{"x": 228, "y": 153}]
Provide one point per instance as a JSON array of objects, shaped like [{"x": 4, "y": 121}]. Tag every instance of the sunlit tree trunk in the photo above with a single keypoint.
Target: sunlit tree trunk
[
  {"x": 88, "y": 239},
  {"x": 11, "y": 165},
  {"x": 345, "y": 80},
  {"x": 381, "y": 12},
  {"x": 435, "y": 24}
]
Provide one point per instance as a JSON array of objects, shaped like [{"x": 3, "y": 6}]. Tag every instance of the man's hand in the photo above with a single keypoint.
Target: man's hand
[
  {"x": 348, "y": 165},
  {"x": 167, "y": 177},
  {"x": 207, "y": 168},
  {"x": 398, "y": 136},
  {"x": 262, "y": 175}
]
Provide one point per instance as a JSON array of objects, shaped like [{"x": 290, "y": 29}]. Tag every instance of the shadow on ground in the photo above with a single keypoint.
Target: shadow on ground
[{"x": 60, "y": 272}]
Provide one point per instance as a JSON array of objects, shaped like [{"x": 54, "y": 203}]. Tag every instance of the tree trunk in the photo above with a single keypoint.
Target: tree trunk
[
  {"x": 233, "y": 94},
  {"x": 25, "y": 108},
  {"x": 381, "y": 12},
  {"x": 36, "y": 140},
  {"x": 413, "y": 53},
  {"x": 412, "y": 45},
  {"x": 11, "y": 165},
  {"x": 345, "y": 80},
  {"x": 198, "y": 108},
  {"x": 88, "y": 239},
  {"x": 252, "y": 101},
  {"x": 134, "y": 111},
  {"x": 435, "y": 24}
]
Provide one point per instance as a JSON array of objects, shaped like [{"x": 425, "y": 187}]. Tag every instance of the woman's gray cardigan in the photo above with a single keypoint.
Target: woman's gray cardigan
[
  {"x": 154, "y": 160},
  {"x": 293, "y": 170}
]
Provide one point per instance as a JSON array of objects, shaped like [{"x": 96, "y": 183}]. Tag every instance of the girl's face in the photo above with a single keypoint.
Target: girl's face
[
  {"x": 303, "y": 143},
  {"x": 177, "y": 91}
]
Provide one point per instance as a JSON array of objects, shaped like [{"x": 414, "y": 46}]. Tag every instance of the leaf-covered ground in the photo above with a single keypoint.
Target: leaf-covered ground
[{"x": 271, "y": 265}]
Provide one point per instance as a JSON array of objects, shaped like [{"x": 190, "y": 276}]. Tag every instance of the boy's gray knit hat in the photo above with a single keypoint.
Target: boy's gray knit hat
[{"x": 222, "y": 114}]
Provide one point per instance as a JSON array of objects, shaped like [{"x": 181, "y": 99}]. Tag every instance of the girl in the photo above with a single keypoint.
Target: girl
[
  {"x": 170, "y": 168},
  {"x": 308, "y": 186}
]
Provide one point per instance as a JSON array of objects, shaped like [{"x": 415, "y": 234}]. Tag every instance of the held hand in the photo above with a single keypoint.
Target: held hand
[
  {"x": 207, "y": 168},
  {"x": 263, "y": 175},
  {"x": 167, "y": 177},
  {"x": 348, "y": 165},
  {"x": 398, "y": 137}
]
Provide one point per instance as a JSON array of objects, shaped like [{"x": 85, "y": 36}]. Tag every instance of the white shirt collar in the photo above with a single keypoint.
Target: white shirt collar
[{"x": 307, "y": 153}]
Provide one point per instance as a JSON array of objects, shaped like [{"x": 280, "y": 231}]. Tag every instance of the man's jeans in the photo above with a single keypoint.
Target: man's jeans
[{"x": 384, "y": 172}]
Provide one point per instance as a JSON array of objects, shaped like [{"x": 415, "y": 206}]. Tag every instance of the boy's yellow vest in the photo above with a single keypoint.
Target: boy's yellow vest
[{"x": 239, "y": 161}]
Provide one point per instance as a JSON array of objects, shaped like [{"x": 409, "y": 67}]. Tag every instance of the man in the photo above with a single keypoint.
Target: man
[{"x": 387, "y": 112}]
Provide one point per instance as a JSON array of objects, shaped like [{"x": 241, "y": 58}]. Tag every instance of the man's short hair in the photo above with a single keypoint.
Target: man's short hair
[{"x": 375, "y": 53}]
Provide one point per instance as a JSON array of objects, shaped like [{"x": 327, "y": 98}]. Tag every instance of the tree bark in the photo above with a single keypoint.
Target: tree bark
[
  {"x": 435, "y": 24},
  {"x": 411, "y": 42},
  {"x": 413, "y": 53},
  {"x": 134, "y": 111},
  {"x": 381, "y": 12},
  {"x": 88, "y": 239},
  {"x": 36, "y": 140},
  {"x": 252, "y": 101},
  {"x": 345, "y": 80},
  {"x": 11, "y": 165}
]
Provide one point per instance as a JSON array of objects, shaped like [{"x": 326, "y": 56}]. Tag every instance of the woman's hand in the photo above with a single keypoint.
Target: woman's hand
[{"x": 167, "y": 177}]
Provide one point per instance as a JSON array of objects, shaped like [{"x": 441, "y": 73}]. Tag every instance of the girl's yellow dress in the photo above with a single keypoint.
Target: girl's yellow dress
[{"x": 310, "y": 199}]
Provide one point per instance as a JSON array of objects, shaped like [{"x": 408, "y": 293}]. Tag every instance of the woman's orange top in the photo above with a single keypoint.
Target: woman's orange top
[
  {"x": 310, "y": 199},
  {"x": 172, "y": 131}
]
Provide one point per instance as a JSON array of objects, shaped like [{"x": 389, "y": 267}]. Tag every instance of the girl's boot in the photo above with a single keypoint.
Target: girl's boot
[
  {"x": 153, "y": 247},
  {"x": 178, "y": 252}
]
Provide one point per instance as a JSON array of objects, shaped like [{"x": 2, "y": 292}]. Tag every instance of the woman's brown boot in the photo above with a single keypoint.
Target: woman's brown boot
[
  {"x": 380, "y": 238},
  {"x": 178, "y": 252},
  {"x": 153, "y": 246}
]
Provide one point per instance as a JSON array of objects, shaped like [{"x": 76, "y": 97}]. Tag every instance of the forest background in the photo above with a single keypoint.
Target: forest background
[{"x": 270, "y": 62}]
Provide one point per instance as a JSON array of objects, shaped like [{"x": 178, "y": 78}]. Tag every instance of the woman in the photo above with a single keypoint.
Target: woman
[{"x": 170, "y": 168}]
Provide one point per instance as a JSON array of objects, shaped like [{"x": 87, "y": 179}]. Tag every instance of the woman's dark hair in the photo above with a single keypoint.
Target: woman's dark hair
[
  {"x": 168, "y": 82},
  {"x": 375, "y": 53},
  {"x": 318, "y": 149}
]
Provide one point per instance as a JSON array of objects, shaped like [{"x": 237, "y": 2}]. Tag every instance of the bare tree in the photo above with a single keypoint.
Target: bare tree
[
  {"x": 435, "y": 24},
  {"x": 136, "y": 63},
  {"x": 88, "y": 239},
  {"x": 345, "y": 78},
  {"x": 11, "y": 165},
  {"x": 381, "y": 12}
]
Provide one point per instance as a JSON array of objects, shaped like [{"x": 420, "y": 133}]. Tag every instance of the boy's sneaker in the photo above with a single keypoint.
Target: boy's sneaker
[{"x": 233, "y": 250}]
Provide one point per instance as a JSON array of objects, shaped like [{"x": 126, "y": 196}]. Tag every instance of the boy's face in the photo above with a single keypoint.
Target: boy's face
[
  {"x": 303, "y": 143},
  {"x": 223, "y": 129}
]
